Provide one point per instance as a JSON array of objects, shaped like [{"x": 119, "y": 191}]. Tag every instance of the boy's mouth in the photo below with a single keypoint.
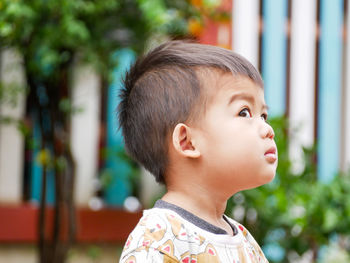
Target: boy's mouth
[{"x": 271, "y": 155}]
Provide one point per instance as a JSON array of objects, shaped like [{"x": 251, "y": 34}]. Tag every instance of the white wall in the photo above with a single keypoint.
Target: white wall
[
  {"x": 245, "y": 29},
  {"x": 302, "y": 79},
  {"x": 85, "y": 131},
  {"x": 11, "y": 140}
]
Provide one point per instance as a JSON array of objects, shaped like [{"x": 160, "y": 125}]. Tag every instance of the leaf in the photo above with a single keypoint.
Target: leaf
[
  {"x": 44, "y": 157},
  {"x": 75, "y": 29},
  {"x": 331, "y": 219},
  {"x": 6, "y": 29}
]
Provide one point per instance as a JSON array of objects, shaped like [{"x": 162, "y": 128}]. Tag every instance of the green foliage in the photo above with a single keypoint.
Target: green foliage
[
  {"x": 296, "y": 212},
  {"x": 94, "y": 253},
  {"x": 52, "y": 31}
]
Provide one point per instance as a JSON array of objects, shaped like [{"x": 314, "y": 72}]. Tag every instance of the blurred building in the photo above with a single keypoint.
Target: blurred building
[{"x": 302, "y": 49}]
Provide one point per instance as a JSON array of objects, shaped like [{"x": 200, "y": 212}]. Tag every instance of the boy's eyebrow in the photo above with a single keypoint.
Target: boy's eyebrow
[{"x": 247, "y": 97}]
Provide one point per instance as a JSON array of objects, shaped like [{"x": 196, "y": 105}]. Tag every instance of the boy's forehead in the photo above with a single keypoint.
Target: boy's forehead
[
  {"x": 227, "y": 82},
  {"x": 230, "y": 81}
]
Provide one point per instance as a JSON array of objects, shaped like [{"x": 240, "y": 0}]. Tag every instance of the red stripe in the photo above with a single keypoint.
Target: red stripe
[{"x": 19, "y": 224}]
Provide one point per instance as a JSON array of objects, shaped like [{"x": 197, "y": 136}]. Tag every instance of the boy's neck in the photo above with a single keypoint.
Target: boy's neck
[{"x": 200, "y": 202}]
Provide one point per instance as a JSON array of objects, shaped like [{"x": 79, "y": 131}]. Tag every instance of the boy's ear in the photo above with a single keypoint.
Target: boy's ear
[{"x": 183, "y": 141}]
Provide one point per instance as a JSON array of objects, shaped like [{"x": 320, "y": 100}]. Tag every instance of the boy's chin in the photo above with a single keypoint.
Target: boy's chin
[
  {"x": 267, "y": 178},
  {"x": 263, "y": 179},
  {"x": 267, "y": 175}
]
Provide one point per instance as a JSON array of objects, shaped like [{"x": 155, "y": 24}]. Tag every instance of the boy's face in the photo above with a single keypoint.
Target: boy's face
[{"x": 236, "y": 143}]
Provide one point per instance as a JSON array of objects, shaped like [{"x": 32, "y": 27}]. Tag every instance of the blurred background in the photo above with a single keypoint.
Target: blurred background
[{"x": 68, "y": 191}]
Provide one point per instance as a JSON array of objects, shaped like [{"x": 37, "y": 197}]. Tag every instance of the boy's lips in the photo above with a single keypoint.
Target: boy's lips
[{"x": 271, "y": 154}]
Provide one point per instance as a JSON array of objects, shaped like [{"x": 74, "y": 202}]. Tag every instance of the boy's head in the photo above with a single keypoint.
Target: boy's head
[{"x": 168, "y": 86}]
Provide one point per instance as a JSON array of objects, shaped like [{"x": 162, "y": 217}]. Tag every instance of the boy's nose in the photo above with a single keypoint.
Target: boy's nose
[
  {"x": 267, "y": 131},
  {"x": 271, "y": 133}
]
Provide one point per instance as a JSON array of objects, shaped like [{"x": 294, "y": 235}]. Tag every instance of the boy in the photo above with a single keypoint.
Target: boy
[{"x": 195, "y": 117}]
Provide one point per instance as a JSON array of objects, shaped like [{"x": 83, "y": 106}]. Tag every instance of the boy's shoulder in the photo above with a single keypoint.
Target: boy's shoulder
[
  {"x": 163, "y": 235},
  {"x": 160, "y": 229}
]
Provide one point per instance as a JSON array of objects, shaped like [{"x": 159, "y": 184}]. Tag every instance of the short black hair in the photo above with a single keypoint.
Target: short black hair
[{"x": 162, "y": 89}]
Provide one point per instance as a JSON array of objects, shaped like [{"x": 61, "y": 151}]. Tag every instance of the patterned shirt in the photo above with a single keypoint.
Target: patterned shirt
[{"x": 168, "y": 233}]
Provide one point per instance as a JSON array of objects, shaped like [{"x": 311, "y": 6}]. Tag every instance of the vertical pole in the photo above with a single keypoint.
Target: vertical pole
[
  {"x": 329, "y": 90},
  {"x": 274, "y": 55}
]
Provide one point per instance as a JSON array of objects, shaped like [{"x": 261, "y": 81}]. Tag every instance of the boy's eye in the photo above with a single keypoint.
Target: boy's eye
[
  {"x": 264, "y": 116},
  {"x": 245, "y": 113}
]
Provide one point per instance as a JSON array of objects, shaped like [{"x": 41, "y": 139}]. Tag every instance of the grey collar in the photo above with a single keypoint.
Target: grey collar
[{"x": 199, "y": 222}]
